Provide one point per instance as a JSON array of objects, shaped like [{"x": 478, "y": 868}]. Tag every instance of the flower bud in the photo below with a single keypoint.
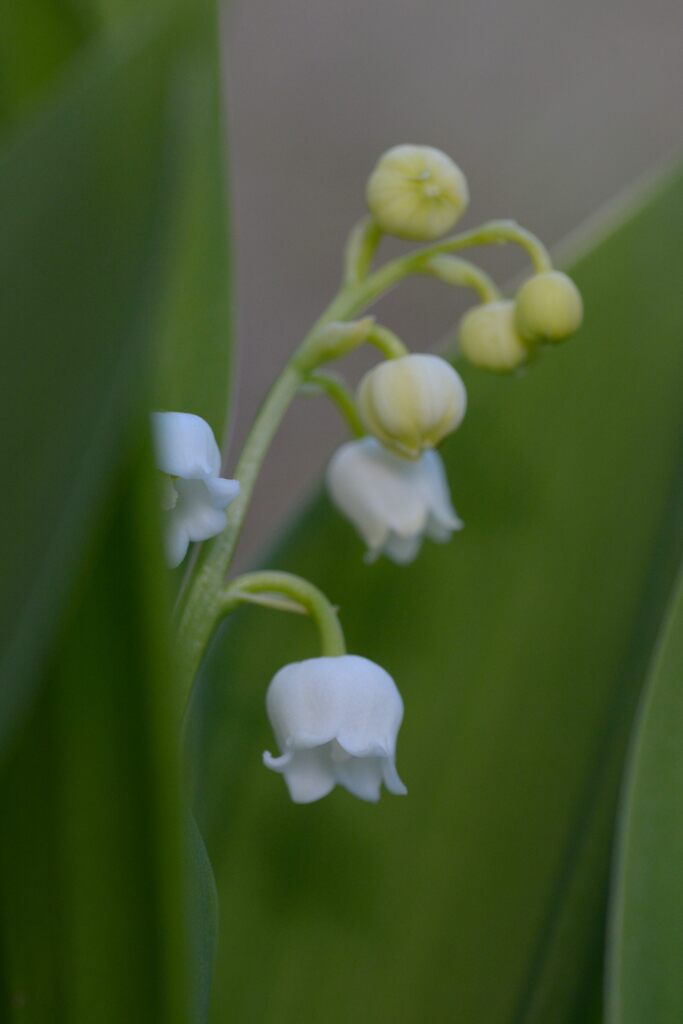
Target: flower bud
[
  {"x": 416, "y": 192},
  {"x": 489, "y": 338},
  {"x": 549, "y": 307},
  {"x": 411, "y": 403}
]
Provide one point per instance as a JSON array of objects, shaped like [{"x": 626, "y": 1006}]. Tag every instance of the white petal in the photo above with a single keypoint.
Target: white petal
[
  {"x": 176, "y": 542},
  {"x": 309, "y": 775},
  {"x": 362, "y": 776},
  {"x": 377, "y": 490},
  {"x": 222, "y": 491},
  {"x": 437, "y": 496},
  {"x": 303, "y": 704},
  {"x": 185, "y": 446},
  {"x": 391, "y": 777},
  {"x": 402, "y": 550},
  {"x": 372, "y": 709},
  {"x": 196, "y": 512}
]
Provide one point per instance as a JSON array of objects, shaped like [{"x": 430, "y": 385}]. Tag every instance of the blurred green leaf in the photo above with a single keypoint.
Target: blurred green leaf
[
  {"x": 645, "y": 978},
  {"x": 38, "y": 39},
  {"x": 203, "y": 920},
  {"x": 520, "y": 649},
  {"x": 93, "y": 914},
  {"x": 195, "y": 344},
  {"x": 105, "y": 257}
]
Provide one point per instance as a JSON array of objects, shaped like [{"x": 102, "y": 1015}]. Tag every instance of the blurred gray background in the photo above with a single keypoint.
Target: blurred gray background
[{"x": 550, "y": 108}]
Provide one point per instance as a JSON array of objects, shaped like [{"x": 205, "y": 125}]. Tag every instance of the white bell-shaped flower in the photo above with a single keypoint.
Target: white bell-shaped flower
[
  {"x": 195, "y": 496},
  {"x": 392, "y": 502},
  {"x": 336, "y": 722}
]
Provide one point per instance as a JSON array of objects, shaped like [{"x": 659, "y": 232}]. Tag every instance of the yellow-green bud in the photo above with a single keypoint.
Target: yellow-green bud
[
  {"x": 416, "y": 192},
  {"x": 549, "y": 307},
  {"x": 412, "y": 402},
  {"x": 489, "y": 338}
]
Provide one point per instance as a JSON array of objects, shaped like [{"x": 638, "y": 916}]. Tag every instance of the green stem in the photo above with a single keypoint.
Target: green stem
[
  {"x": 495, "y": 232},
  {"x": 360, "y": 249},
  {"x": 305, "y": 594},
  {"x": 201, "y": 608},
  {"x": 462, "y": 274},
  {"x": 336, "y": 390},
  {"x": 388, "y": 343}
]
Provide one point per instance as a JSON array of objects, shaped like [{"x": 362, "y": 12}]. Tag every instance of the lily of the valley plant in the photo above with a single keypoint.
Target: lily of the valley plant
[{"x": 336, "y": 717}]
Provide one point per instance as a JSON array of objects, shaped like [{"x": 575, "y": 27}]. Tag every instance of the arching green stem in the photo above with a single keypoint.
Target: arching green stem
[
  {"x": 336, "y": 390},
  {"x": 360, "y": 249},
  {"x": 462, "y": 274},
  {"x": 303, "y": 593}
]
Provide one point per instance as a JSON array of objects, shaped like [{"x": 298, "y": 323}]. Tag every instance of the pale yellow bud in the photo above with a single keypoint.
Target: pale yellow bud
[
  {"x": 489, "y": 338},
  {"x": 412, "y": 402},
  {"x": 416, "y": 192},
  {"x": 549, "y": 307}
]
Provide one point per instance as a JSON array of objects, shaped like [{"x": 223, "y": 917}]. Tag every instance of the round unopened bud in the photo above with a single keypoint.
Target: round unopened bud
[
  {"x": 416, "y": 192},
  {"x": 489, "y": 338},
  {"x": 549, "y": 307},
  {"x": 412, "y": 402}
]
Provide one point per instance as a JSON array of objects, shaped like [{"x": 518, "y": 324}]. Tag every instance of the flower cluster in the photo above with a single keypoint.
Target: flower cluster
[
  {"x": 336, "y": 717},
  {"x": 504, "y": 335}
]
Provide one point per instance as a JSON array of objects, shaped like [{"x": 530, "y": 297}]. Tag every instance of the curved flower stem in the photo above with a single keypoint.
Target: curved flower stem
[
  {"x": 336, "y": 390},
  {"x": 360, "y": 249},
  {"x": 331, "y": 336},
  {"x": 495, "y": 232},
  {"x": 462, "y": 274},
  {"x": 304, "y": 594}
]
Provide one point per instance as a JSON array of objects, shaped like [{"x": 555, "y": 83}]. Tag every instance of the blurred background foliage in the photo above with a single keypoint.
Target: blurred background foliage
[
  {"x": 113, "y": 256},
  {"x": 522, "y": 649}
]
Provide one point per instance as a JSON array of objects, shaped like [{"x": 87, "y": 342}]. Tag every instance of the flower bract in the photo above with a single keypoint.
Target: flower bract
[
  {"x": 392, "y": 502},
  {"x": 195, "y": 495},
  {"x": 336, "y": 720}
]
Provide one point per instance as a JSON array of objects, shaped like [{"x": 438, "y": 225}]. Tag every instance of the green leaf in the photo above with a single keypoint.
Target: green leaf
[
  {"x": 112, "y": 241},
  {"x": 645, "y": 977},
  {"x": 38, "y": 39},
  {"x": 203, "y": 918},
  {"x": 91, "y": 883},
  {"x": 520, "y": 649}
]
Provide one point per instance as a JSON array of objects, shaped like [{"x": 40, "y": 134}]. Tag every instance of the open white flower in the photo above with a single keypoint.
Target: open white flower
[
  {"x": 392, "y": 502},
  {"x": 336, "y": 722},
  {"x": 195, "y": 496}
]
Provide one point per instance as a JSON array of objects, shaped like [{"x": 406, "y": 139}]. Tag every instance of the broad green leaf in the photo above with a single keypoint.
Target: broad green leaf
[
  {"x": 106, "y": 256},
  {"x": 91, "y": 883},
  {"x": 520, "y": 649},
  {"x": 646, "y": 972}
]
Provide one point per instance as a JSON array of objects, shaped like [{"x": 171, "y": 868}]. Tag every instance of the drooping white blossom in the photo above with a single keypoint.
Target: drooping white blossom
[
  {"x": 335, "y": 720},
  {"x": 392, "y": 502},
  {"x": 195, "y": 495}
]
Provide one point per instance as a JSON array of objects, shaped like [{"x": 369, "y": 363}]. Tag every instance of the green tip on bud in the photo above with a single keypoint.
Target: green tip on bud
[
  {"x": 411, "y": 403},
  {"x": 416, "y": 192},
  {"x": 490, "y": 340},
  {"x": 549, "y": 307}
]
